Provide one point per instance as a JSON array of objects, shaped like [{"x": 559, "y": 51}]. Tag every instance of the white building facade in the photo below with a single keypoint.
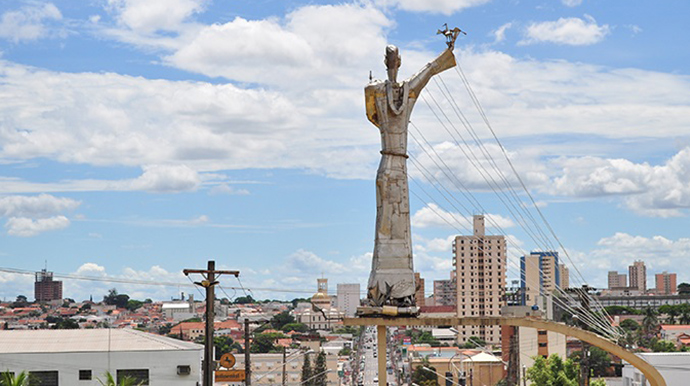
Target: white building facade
[
  {"x": 81, "y": 357},
  {"x": 348, "y": 299}
]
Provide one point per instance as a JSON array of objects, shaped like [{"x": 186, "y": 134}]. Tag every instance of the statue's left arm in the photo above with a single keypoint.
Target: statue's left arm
[{"x": 443, "y": 62}]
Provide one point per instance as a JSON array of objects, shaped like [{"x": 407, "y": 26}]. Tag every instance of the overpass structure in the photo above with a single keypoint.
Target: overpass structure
[{"x": 651, "y": 374}]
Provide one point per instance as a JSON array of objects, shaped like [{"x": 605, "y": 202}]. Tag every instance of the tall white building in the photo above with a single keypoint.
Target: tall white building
[
  {"x": 348, "y": 298},
  {"x": 480, "y": 266}
]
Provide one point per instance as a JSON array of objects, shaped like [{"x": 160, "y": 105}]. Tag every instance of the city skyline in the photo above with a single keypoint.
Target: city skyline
[{"x": 136, "y": 141}]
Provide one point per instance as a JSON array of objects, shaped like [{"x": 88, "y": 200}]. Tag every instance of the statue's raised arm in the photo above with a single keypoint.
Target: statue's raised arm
[{"x": 443, "y": 62}]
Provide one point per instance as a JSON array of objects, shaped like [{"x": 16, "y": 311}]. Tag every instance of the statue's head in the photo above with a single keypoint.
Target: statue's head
[{"x": 392, "y": 62}]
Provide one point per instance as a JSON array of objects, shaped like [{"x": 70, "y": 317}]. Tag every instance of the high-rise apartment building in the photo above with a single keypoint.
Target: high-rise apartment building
[
  {"x": 45, "y": 288},
  {"x": 445, "y": 291},
  {"x": 540, "y": 276},
  {"x": 348, "y": 298},
  {"x": 565, "y": 276},
  {"x": 419, "y": 298},
  {"x": 480, "y": 267},
  {"x": 617, "y": 280},
  {"x": 638, "y": 276},
  {"x": 665, "y": 283}
]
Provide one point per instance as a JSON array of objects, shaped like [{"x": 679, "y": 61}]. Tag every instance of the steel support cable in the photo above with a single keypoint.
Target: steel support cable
[
  {"x": 521, "y": 204},
  {"x": 602, "y": 323},
  {"x": 496, "y": 187},
  {"x": 593, "y": 322},
  {"x": 448, "y": 173},
  {"x": 588, "y": 319},
  {"x": 479, "y": 108},
  {"x": 480, "y": 144},
  {"x": 150, "y": 283},
  {"x": 480, "y": 170},
  {"x": 428, "y": 174}
]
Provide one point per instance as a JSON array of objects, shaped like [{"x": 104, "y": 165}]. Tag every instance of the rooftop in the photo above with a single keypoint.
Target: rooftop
[{"x": 87, "y": 340}]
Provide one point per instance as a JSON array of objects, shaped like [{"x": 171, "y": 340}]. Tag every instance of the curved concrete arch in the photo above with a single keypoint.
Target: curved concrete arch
[{"x": 651, "y": 374}]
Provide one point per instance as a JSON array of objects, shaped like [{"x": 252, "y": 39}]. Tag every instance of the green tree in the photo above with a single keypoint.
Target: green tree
[
  {"x": 683, "y": 289},
  {"x": 621, "y": 310},
  {"x": 299, "y": 327},
  {"x": 599, "y": 360},
  {"x": 422, "y": 337},
  {"x": 8, "y": 379},
  {"x": 663, "y": 346},
  {"x": 630, "y": 325},
  {"x": 474, "y": 342},
  {"x": 244, "y": 300},
  {"x": 650, "y": 322},
  {"x": 671, "y": 312},
  {"x": 552, "y": 371},
  {"x": 424, "y": 377},
  {"x": 66, "y": 324},
  {"x": 133, "y": 305},
  {"x": 21, "y": 301},
  {"x": 684, "y": 311},
  {"x": 224, "y": 345},
  {"x": 115, "y": 299},
  {"x": 124, "y": 381},
  {"x": 265, "y": 343},
  {"x": 320, "y": 370},
  {"x": 281, "y": 319},
  {"x": 306, "y": 378}
]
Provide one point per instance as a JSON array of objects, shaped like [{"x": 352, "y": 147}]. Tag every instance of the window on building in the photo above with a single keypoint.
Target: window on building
[
  {"x": 544, "y": 344},
  {"x": 44, "y": 378},
  {"x": 542, "y": 332},
  {"x": 84, "y": 375},
  {"x": 141, "y": 376}
]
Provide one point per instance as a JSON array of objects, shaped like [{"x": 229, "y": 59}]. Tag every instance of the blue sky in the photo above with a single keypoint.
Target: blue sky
[{"x": 142, "y": 137}]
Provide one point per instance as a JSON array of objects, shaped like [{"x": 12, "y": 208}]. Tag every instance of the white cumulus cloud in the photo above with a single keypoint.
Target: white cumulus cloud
[
  {"x": 151, "y": 15},
  {"x": 434, "y": 216},
  {"x": 500, "y": 32},
  {"x": 43, "y": 205},
  {"x": 446, "y": 7},
  {"x": 167, "y": 179},
  {"x": 571, "y": 3},
  {"x": 26, "y": 227},
  {"x": 29, "y": 22},
  {"x": 568, "y": 31},
  {"x": 653, "y": 190},
  {"x": 658, "y": 252}
]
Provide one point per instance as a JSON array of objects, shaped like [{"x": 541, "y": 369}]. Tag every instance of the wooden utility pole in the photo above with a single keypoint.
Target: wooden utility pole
[
  {"x": 284, "y": 368},
  {"x": 209, "y": 281},
  {"x": 247, "y": 364},
  {"x": 583, "y": 297}
]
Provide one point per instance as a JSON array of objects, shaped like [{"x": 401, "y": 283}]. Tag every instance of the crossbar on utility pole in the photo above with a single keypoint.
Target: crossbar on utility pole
[{"x": 209, "y": 282}]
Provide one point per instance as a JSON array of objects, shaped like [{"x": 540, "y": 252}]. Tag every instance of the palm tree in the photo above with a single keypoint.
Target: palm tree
[
  {"x": 125, "y": 381},
  {"x": 684, "y": 313},
  {"x": 8, "y": 379},
  {"x": 650, "y": 322}
]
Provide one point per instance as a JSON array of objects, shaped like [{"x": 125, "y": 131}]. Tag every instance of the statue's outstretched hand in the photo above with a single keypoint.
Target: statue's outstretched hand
[{"x": 451, "y": 35}]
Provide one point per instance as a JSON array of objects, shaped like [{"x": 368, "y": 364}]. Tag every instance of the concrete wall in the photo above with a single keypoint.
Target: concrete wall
[{"x": 162, "y": 365}]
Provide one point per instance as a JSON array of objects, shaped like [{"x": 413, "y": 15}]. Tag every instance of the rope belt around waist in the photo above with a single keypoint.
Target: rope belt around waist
[{"x": 385, "y": 152}]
